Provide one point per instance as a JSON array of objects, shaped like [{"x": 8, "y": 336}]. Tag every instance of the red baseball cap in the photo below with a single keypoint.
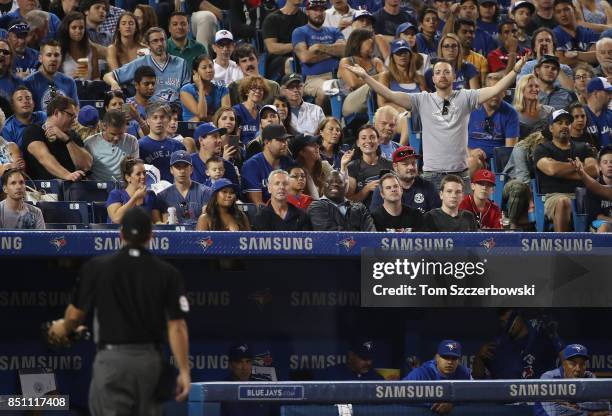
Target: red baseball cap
[
  {"x": 483, "y": 175},
  {"x": 404, "y": 152}
]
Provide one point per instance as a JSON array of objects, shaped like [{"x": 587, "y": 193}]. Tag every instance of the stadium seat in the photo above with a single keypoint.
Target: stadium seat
[
  {"x": 98, "y": 213},
  {"x": 47, "y": 186},
  {"x": 414, "y": 138},
  {"x": 60, "y": 226},
  {"x": 187, "y": 128},
  {"x": 579, "y": 211},
  {"x": 89, "y": 191},
  {"x": 63, "y": 212},
  {"x": 249, "y": 209},
  {"x": 263, "y": 57},
  {"x": 542, "y": 223},
  {"x": 501, "y": 155}
]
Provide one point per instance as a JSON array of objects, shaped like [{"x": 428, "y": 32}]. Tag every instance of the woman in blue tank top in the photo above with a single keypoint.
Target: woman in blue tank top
[
  {"x": 202, "y": 98},
  {"x": 466, "y": 74}
]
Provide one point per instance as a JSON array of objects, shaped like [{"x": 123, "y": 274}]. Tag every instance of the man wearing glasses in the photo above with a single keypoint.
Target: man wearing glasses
[
  {"x": 54, "y": 150},
  {"x": 187, "y": 196},
  {"x": 444, "y": 115},
  {"x": 48, "y": 81},
  {"x": 494, "y": 124}
]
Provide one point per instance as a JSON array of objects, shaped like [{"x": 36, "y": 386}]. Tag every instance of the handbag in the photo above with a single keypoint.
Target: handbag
[
  {"x": 35, "y": 195},
  {"x": 166, "y": 384}
]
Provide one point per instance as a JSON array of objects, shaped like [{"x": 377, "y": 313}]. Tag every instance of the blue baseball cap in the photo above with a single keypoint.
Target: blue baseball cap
[
  {"x": 223, "y": 183},
  {"x": 399, "y": 45},
  {"x": 88, "y": 116},
  {"x": 180, "y": 156},
  {"x": 575, "y": 350},
  {"x": 599, "y": 84},
  {"x": 449, "y": 348},
  {"x": 404, "y": 27},
  {"x": 364, "y": 348},
  {"x": 205, "y": 129},
  {"x": 239, "y": 351}
]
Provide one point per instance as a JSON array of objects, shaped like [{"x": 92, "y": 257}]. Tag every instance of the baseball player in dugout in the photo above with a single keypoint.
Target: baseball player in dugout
[{"x": 138, "y": 300}]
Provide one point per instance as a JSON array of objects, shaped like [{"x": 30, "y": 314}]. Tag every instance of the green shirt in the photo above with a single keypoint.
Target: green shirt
[{"x": 192, "y": 50}]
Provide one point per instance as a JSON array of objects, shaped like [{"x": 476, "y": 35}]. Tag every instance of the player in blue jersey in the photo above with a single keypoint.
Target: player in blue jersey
[
  {"x": 156, "y": 148},
  {"x": 359, "y": 364},
  {"x": 255, "y": 171},
  {"x": 171, "y": 71},
  {"x": 523, "y": 350},
  {"x": 25, "y": 60},
  {"x": 47, "y": 82},
  {"x": 444, "y": 366}
]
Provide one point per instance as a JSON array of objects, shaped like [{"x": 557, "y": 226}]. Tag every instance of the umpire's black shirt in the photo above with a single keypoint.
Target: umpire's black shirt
[{"x": 133, "y": 294}]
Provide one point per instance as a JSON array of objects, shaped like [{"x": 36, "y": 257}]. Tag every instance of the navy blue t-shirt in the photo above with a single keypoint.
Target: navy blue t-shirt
[
  {"x": 422, "y": 195},
  {"x": 157, "y": 153},
  {"x": 487, "y": 133}
]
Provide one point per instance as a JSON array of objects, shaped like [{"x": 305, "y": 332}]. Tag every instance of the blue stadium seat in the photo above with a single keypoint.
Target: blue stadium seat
[
  {"x": 414, "y": 138},
  {"x": 63, "y": 212},
  {"x": 579, "y": 211},
  {"x": 501, "y": 155},
  {"x": 89, "y": 191},
  {"x": 263, "y": 57},
  {"x": 56, "y": 226},
  {"x": 98, "y": 213},
  {"x": 48, "y": 186},
  {"x": 250, "y": 210},
  {"x": 542, "y": 223}
]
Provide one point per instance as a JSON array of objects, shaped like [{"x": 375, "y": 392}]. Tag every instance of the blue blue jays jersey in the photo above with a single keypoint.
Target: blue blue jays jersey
[
  {"x": 157, "y": 153},
  {"x": 600, "y": 126},
  {"x": 27, "y": 63},
  {"x": 429, "y": 371},
  {"x": 255, "y": 173},
  {"x": 169, "y": 77},
  {"x": 42, "y": 88}
]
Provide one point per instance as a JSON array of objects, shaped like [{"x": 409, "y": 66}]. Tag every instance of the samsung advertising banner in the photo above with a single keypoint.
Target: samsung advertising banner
[{"x": 467, "y": 278}]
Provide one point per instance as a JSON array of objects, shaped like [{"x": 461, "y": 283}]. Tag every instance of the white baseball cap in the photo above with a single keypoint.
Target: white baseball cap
[{"x": 223, "y": 34}]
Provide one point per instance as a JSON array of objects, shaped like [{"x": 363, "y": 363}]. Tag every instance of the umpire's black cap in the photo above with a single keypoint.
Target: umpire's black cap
[{"x": 136, "y": 222}]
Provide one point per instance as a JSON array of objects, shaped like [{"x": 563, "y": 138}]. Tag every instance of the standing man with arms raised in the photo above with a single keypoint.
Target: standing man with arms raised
[
  {"x": 138, "y": 300},
  {"x": 445, "y": 116}
]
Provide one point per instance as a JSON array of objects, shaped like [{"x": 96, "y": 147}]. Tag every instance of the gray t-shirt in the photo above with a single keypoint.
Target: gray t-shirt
[
  {"x": 107, "y": 157},
  {"x": 28, "y": 218},
  {"x": 445, "y": 138}
]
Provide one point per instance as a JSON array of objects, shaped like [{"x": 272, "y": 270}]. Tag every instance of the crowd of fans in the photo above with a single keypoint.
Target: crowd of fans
[{"x": 256, "y": 79}]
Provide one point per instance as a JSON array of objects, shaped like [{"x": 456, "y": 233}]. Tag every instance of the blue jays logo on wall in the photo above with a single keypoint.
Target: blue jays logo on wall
[
  {"x": 261, "y": 297},
  {"x": 488, "y": 244},
  {"x": 58, "y": 242},
  {"x": 205, "y": 243},
  {"x": 348, "y": 243}
]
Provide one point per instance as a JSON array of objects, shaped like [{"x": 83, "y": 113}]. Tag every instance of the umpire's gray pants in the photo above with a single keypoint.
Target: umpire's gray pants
[{"x": 123, "y": 382}]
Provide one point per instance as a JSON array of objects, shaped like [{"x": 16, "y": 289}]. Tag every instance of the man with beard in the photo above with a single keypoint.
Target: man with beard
[
  {"x": 599, "y": 116},
  {"x": 25, "y": 59},
  {"x": 333, "y": 212},
  {"x": 179, "y": 43},
  {"x": 573, "y": 366},
  {"x": 210, "y": 143},
  {"x": 256, "y": 170},
  {"x": 556, "y": 176},
  {"x": 444, "y": 116},
  {"x": 171, "y": 71},
  {"x": 247, "y": 60},
  {"x": 546, "y": 71},
  {"x": 226, "y": 70},
  {"x": 47, "y": 82},
  {"x": 392, "y": 215},
  {"x": 24, "y": 115},
  {"x": 318, "y": 48},
  {"x": 575, "y": 43},
  {"x": 417, "y": 192},
  {"x": 494, "y": 124},
  {"x": 466, "y": 30},
  {"x": 14, "y": 212},
  {"x": 54, "y": 150},
  {"x": 444, "y": 366}
]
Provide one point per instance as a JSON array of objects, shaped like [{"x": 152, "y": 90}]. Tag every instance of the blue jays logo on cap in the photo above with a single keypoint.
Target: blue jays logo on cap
[{"x": 449, "y": 348}]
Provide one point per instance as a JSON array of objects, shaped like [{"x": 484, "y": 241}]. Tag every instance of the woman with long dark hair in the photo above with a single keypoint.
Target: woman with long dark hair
[
  {"x": 76, "y": 49},
  {"x": 305, "y": 151},
  {"x": 359, "y": 50},
  {"x": 202, "y": 98},
  {"x": 146, "y": 17},
  {"x": 330, "y": 131},
  {"x": 226, "y": 118},
  {"x": 127, "y": 40},
  {"x": 135, "y": 193},
  {"x": 221, "y": 212},
  {"x": 282, "y": 105}
]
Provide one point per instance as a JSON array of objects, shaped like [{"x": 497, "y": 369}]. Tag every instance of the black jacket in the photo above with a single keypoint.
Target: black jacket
[
  {"x": 267, "y": 220},
  {"x": 326, "y": 216}
]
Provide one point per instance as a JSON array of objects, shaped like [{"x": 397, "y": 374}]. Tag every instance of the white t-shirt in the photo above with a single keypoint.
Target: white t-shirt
[{"x": 227, "y": 75}]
